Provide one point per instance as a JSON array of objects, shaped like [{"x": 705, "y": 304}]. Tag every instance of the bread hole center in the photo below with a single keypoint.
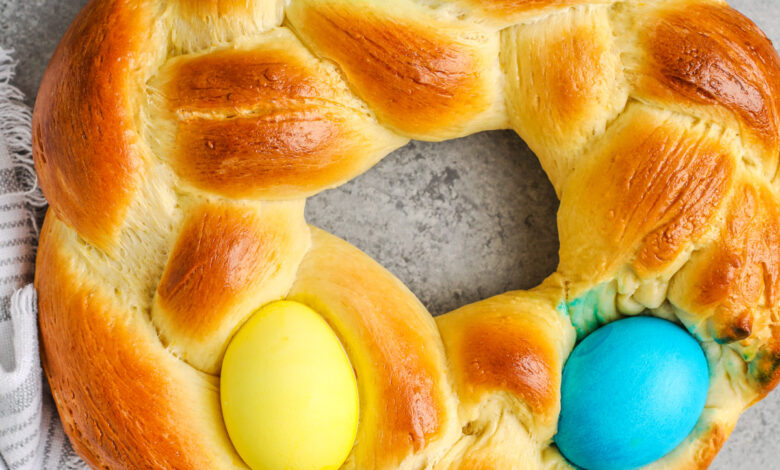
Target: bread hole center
[{"x": 456, "y": 221}]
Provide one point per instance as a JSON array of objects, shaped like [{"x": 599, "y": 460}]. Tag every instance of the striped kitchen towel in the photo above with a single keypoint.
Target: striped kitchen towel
[{"x": 31, "y": 436}]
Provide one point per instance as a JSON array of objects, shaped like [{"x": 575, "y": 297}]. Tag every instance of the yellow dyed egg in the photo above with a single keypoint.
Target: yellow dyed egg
[{"x": 289, "y": 395}]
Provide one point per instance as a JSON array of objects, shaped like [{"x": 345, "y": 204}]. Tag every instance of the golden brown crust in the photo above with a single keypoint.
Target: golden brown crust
[
  {"x": 503, "y": 7},
  {"x": 219, "y": 253},
  {"x": 500, "y": 359},
  {"x": 734, "y": 283},
  {"x": 498, "y": 346},
  {"x": 557, "y": 106},
  {"x": 659, "y": 184},
  {"x": 581, "y": 61},
  {"x": 124, "y": 401},
  {"x": 710, "y": 54},
  {"x": 509, "y": 12},
  {"x": 739, "y": 267},
  {"x": 506, "y": 356},
  {"x": 713, "y": 441},
  {"x": 255, "y": 156},
  {"x": 417, "y": 79},
  {"x": 266, "y": 120},
  {"x": 241, "y": 79},
  {"x": 227, "y": 262},
  {"x": 87, "y": 152},
  {"x": 405, "y": 400}
]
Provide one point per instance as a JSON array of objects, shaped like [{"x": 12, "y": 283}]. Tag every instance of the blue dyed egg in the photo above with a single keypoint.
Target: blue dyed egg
[{"x": 631, "y": 392}]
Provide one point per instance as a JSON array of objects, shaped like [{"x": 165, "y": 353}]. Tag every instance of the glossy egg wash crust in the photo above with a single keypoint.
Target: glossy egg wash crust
[{"x": 177, "y": 141}]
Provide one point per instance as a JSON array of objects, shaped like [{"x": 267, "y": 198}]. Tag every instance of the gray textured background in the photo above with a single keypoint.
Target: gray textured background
[{"x": 456, "y": 221}]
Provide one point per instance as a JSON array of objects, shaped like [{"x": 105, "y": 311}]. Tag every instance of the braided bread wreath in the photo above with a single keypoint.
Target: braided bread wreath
[{"x": 177, "y": 141}]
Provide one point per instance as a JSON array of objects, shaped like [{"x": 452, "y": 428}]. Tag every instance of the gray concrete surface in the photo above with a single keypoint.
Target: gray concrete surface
[{"x": 456, "y": 221}]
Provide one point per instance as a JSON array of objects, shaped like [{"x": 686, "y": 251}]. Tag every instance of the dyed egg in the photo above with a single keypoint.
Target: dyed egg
[
  {"x": 631, "y": 392},
  {"x": 288, "y": 392}
]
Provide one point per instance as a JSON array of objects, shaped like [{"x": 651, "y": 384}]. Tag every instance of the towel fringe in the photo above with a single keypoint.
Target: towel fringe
[{"x": 16, "y": 136}]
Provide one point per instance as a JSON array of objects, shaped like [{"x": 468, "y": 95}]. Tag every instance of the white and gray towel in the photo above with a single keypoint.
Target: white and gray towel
[{"x": 31, "y": 436}]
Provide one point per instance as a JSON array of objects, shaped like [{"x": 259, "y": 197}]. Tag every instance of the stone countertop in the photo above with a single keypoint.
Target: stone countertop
[{"x": 456, "y": 221}]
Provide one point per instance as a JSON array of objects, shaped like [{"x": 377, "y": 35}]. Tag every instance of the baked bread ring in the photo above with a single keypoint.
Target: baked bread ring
[{"x": 176, "y": 142}]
